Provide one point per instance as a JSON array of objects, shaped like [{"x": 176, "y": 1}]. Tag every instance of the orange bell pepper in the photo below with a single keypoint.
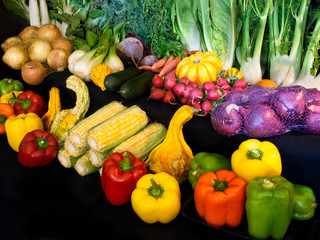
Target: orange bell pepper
[
  {"x": 6, "y": 111},
  {"x": 220, "y": 198}
]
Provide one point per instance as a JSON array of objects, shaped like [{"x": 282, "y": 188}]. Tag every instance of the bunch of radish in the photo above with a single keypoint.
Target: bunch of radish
[{"x": 169, "y": 89}]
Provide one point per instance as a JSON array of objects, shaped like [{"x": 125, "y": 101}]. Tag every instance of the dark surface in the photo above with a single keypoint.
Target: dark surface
[{"x": 56, "y": 203}]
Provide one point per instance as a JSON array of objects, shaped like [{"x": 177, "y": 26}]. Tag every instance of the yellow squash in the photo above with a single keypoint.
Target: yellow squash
[
  {"x": 173, "y": 155},
  {"x": 200, "y": 67},
  {"x": 54, "y": 106}
]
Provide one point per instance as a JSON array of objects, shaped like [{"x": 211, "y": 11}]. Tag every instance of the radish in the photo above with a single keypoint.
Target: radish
[
  {"x": 184, "y": 80},
  {"x": 192, "y": 84},
  {"x": 169, "y": 81},
  {"x": 222, "y": 81},
  {"x": 178, "y": 89},
  {"x": 168, "y": 97},
  {"x": 196, "y": 94},
  {"x": 206, "y": 107},
  {"x": 213, "y": 95},
  {"x": 187, "y": 91},
  {"x": 184, "y": 100},
  {"x": 157, "y": 81},
  {"x": 208, "y": 86},
  {"x": 225, "y": 86},
  {"x": 157, "y": 94},
  {"x": 240, "y": 83}
]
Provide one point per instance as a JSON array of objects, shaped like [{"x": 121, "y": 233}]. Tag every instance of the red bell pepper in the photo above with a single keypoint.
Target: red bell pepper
[
  {"x": 29, "y": 101},
  {"x": 37, "y": 149},
  {"x": 120, "y": 173},
  {"x": 220, "y": 198}
]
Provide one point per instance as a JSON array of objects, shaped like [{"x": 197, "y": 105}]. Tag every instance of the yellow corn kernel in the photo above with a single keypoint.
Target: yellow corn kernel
[
  {"x": 78, "y": 134},
  {"x": 117, "y": 129},
  {"x": 144, "y": 141}
]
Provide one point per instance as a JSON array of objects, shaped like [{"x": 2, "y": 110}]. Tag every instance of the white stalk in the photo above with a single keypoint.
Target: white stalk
[{"x": 34, "y": 13}]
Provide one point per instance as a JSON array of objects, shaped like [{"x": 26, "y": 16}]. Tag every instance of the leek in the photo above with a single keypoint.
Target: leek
[
  {"x": 44, "y": 13},
  {"x": 34, "y": 13},
  {"x": 254, "y": 19},
  {"x": 285, "y": 48}
]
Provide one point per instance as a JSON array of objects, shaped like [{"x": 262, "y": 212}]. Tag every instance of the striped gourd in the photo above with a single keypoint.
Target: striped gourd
[
  {"x": 141, "y": 144},
  {"x": 117, "y": 129},
  {"x": 78, "y": 134}
]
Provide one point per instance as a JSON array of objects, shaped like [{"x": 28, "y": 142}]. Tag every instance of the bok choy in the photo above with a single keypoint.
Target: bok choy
[{"x": 254, "y": 19}]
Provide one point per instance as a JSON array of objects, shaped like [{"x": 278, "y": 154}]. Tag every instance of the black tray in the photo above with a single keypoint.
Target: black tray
[{"x": 309, "y": 229}]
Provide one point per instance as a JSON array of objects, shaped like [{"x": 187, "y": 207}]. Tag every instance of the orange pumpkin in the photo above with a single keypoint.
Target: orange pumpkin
[
  {"x": 267, "y": 83},
  {"x": 200, "y": 67}
]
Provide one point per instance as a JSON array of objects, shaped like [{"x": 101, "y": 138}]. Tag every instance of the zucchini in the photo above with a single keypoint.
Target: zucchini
[
  {"x": 138, "y": 86},
  {"x": 113, "y": 81}
]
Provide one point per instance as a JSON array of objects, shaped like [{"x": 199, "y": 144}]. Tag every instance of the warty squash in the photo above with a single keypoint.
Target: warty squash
[
  {"x": 173, "y": 155},
  {"x": 200, "y": 67}
]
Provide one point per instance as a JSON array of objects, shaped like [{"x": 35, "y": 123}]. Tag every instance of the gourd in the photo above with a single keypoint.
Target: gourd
[
  {"x": 54, "y": 106},
  {"x": 173, "y": 155},
  {"x": 232, "y": 75},
  {"x": 65, "y": 119},
  {"x": 267, "y": 83},
  {"x": 200, "y": 67},
  {"x": 99, "y": 73}
]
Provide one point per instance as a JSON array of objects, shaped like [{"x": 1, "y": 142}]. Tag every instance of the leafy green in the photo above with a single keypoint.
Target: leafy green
[{"x": 18, "y": 7}]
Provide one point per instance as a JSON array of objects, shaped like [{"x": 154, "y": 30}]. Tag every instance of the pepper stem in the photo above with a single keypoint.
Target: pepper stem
[
  {"x": 126, "y": 164},
  {"x": 24, "y": 104},
  {"x": 3, "y": 118},
  {"x": 267, "y": 184},
  {"x": 156, "y": 190},
  {"x": 219, "y": 185},
  {"x": 41, "y": 142},
  {"x": 254, "y": 154}
]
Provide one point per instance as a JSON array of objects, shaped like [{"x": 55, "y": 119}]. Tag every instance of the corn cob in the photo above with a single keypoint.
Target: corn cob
[
  {"x": 84, "y": 166},
  {"x": 141, "y": 144},
  {"x": 66, "y": 160},
  {"x": 72, "y": 150},
  {"x": 97, "y": 158},
  {"x": 117, "y": 129},
  {"x": 78, "y": 134}
]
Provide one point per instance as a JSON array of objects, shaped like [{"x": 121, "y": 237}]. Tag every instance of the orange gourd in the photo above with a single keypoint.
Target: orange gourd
[
  {"x": 200, "y": 67},
  {"x": 267, "y": 83}
]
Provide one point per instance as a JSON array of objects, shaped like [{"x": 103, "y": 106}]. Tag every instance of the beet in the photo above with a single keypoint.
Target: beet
[
  {"x": 261, "y": 121},
  {"x": 226, "y": 119}
]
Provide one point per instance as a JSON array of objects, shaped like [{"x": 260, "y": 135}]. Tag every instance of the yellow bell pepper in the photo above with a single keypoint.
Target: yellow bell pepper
[
  {"x": 6, "y": 97},
  {"x": 17, "y": 127},
  {"x": 156, "y": 197},
  {"x": 254, "y": 158}
]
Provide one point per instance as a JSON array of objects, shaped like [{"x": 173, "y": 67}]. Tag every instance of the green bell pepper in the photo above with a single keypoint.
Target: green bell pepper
[
  {"x": 269, "y": 206},
  {"x": 206, "y": 162},
  {"x": 304, "y": 202},
  {"x": 9, "y": 85}
]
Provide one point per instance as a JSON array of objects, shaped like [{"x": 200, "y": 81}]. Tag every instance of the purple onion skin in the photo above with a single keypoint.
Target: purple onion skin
[
  {"x": 238, "y": 97},
  {"x": 225, "y": 123},
  {"x": 312, "y": 118},
  {"x": 312, "y": 95},
  {"x": 289, "y": 103},
  {"x": 261, "y": 121}
]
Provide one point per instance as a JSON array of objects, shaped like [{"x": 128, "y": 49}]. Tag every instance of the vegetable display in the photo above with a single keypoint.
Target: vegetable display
[
  {"x": 120, "y": 173},
  {"x": 156, "y": 198},
  {"x": 38, "y": 148},
  {"x": 54, "y": 106},
  {"x": 8, "y": 85},
  {"x": 269, "y": 207},
  {"x": 220, "y": 198}
]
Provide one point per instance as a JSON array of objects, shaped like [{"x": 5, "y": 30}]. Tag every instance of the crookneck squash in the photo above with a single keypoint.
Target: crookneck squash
[
  {"x": 173, "y": 155},
  {"x": 200, "y": 67}
]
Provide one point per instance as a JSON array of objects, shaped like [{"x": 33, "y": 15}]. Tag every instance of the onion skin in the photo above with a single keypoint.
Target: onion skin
[
  {"x": 16, "y": 57},
  {"x": 49, "y": 32},
  {"x": 28, "y": 34},
  {"x": 39, "y": 50},
  {"x": 33, "y": 73},
  {"x": 11, "y": 42},
  {"x": 58, "y": 59},
  {"x": 64, "y": 43}
]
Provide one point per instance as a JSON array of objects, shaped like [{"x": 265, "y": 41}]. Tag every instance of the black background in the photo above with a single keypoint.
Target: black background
[{"x": 56, "y": 203}]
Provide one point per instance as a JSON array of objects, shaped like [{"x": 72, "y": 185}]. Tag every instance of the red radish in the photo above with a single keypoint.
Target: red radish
[
  {"x": 184, "y": 100},
  {"x": 178, "y": 89},
  {"x": 187, "y": 90},
  {"x": 157, "y": 81},
  {"x": 157, "y": 94},
  {"x": 225, "y": 86},
  {"x": 240, "y": 83},
  {"x": 169, "y": 81},
  {"x": 213, "y": 95},
  {"x": 206, "y": 106},
  {"x": 225, "y": 92},
  {"x": 193, "y": 84},
  {"x": 196, "y": 94},
  {"x": 184, "y": 80},
  {"x": 196, "y": 105},
  {"x": 221, "y": 81},
  {"x": 168, "y": 97},
  {"x": 208, "y": 86}
]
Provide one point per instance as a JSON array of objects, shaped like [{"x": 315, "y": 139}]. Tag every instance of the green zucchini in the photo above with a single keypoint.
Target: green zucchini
[
  {"x": 138, "y": 86},
  {"x": 113, "y": 81}
]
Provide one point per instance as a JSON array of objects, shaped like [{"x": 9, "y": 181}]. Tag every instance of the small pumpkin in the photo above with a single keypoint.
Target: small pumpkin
[
  {"x": 200, "y": 67},
  {"x": 233, "y": 73},
  {"x": 267, "y": 83}
]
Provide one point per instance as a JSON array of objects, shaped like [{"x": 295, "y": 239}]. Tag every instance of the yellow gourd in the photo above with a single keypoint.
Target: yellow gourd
[
  {"x": 173, "y": 155},
  {"x": 54, "y": 106},
  {"x": 233, "y": 73},
  {"x": 200, "y": 67},
  {"x": 99, "y": 73}
]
